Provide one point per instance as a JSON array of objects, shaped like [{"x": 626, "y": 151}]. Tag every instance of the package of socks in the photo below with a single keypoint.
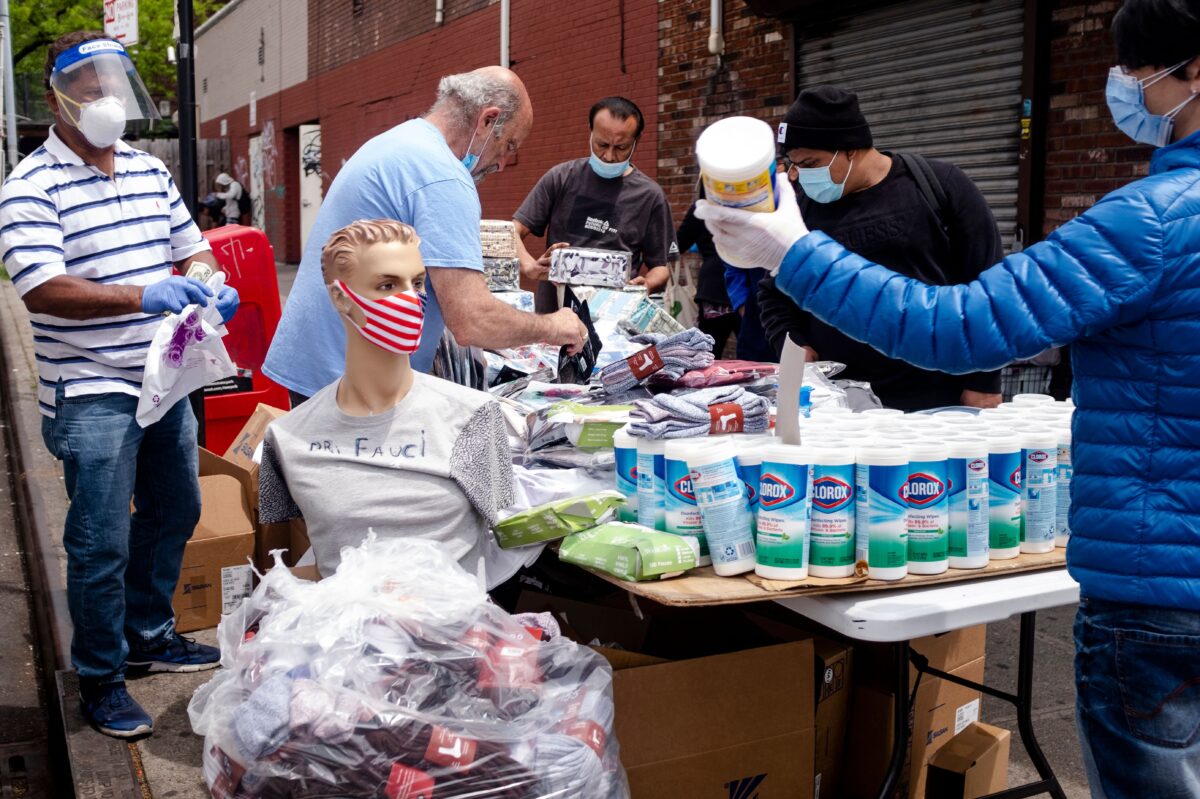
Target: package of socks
[
  {"x": 579, "y": 266},
  {"x": 395, "y": 677},
  {"x": 557, "y": 519},
  {"x": 630, "y": 551}
]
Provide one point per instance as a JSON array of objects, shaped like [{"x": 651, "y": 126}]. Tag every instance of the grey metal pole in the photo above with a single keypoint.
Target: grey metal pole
[
  {"x": 185, "y": 94},
  {"x": 10, "y": 94}
]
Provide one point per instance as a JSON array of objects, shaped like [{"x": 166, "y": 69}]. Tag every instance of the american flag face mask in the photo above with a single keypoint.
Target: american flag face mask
[{"x": 393, "y": 323}]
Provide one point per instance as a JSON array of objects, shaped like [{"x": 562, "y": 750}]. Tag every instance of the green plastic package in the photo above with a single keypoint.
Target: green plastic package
[
  {"x": 556, "y": 520},
  {"x": 629, "y": 551}
]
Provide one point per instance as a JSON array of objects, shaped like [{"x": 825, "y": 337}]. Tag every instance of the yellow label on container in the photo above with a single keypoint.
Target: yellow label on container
[{"x": 756, "y": 194}]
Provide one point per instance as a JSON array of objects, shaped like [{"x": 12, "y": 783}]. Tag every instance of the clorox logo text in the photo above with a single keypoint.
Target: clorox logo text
[
  {"x": 683, "y": 488},
  {"x": 1037, "y": 456},
  {"x": 923, "y": 489},
  {"x": 775, "y": 491},
  {"x": 830, "y": 493}
]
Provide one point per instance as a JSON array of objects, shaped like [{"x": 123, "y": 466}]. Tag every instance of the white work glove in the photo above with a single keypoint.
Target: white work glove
[{"x": 752, "y": 239}]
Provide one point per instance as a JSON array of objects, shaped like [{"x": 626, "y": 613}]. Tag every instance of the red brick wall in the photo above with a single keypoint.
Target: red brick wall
[
  {"x": 1086, "y": 156},
  {"x": 377, "y": 90},
  {"x": 757, "y": 81}
]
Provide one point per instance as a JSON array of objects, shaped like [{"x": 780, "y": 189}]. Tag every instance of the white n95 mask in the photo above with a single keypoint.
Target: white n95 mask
[
  {"x": 101, "y": 122},
  {"x": 393, "y": 323}
]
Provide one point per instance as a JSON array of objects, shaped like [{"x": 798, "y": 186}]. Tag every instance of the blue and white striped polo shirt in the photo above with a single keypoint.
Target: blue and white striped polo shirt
[{"x": 60, "y": 216}]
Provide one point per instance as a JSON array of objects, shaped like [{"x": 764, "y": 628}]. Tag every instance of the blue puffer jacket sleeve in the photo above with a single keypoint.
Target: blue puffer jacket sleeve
[{"x": 1095, "y": 272}]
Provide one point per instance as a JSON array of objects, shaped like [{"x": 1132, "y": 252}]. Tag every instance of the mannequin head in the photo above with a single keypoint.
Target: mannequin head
[{"x": 375, "y": 259}]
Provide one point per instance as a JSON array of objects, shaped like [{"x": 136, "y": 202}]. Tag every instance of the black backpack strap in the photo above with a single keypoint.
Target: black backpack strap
[{"x": 931, "y": 188}]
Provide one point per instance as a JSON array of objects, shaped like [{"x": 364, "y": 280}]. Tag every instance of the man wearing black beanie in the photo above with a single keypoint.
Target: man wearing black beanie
[{"x": 873, "y": 203}]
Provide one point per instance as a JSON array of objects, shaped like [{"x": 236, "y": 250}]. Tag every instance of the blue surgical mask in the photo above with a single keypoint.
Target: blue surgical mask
[
  {"x": 606, "y": 170},
  {"x": 470, "y": 160},
  {"x": 818, "y": 183},
  {"x": 1127, "y": 103}
]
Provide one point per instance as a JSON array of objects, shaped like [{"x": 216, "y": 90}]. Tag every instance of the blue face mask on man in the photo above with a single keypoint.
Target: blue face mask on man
[
  {"x": 818, "y": 182},
  {"x": 605, "y": 169},
  {"x": 470, "y": 160},
  {"x": 1127, "y": 103}
]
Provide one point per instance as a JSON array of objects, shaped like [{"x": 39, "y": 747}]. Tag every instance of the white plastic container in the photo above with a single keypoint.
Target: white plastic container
[
  {"x": 968, "y": 472},
  {"x": 625, "y": 454},
  {"x": 784, "y": 510},
  {"x": 1062, "y": 523},
  {"x": 1039, "y": 497},
  {"x": 831, "y": 528},
  {"x": 721, "y": 497},
  {"x": 680, "y": 512},
  {"x": 881, "y": 413},
  {"x": 881, "y": 513},
  {"x": 652, "y": 485},
  {"x": 1032, "y": 399},
  {"x": 1004, "y": 495},
  {"x": 928, "y": 495},
  {"x": 737, "y": 165},
  {"x": 749, "y": 465}
]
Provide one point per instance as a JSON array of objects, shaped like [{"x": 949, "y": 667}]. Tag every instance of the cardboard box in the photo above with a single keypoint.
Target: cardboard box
[
  {"x": 216, "y": 573},
  {"x": 240, "y": 456},
  {"x": 833, "y": 676},
  {"x": 941, "y": 710},
  {"x": 973, "y": 763},
  {"x": 738, "y": 725}
]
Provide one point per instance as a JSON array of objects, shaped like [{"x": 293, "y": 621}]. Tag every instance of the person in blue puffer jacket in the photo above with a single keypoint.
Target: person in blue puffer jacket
[{"x": 1121, "y": 283}]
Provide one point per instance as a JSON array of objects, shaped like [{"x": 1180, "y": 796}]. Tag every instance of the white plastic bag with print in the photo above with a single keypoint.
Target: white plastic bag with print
[{"x": 186, "y": 354}]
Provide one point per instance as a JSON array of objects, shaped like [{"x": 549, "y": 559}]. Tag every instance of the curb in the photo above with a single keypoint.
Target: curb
[{"x": 99, "y": 765}]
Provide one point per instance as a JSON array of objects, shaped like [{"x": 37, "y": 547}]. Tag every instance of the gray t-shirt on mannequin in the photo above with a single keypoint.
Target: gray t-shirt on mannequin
[{"x": 437, "y": 467}]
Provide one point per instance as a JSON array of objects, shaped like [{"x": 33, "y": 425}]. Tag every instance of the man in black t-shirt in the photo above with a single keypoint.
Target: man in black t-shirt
[
  {"x": 602, "y": 202},
  {"x": 871, "y": 203}
]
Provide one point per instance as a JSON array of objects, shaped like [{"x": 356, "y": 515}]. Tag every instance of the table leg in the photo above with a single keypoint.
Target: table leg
[
  {"x": 900, "y": 725},
  {"x": 1025, "y": 707}
]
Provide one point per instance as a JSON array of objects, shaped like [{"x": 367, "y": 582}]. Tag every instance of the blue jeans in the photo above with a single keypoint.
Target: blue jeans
[
  {"x": 1137, "y": 674},
  {"x": 122, "y": 567}
]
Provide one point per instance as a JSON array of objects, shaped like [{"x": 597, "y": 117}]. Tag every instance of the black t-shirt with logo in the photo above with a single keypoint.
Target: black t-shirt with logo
[{"x": 571, "y": 203}]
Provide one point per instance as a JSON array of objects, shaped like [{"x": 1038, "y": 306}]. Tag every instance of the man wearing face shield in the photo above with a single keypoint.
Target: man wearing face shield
[
  {"x": 872, "y": 202},
  {"x": 91, "y": 230},
  {"x": 423, "y": 173},
  {"x": 603, "y": 202}
]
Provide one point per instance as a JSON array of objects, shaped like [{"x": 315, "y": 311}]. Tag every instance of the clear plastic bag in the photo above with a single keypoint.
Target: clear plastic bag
[{"x": 395, "y": 677}]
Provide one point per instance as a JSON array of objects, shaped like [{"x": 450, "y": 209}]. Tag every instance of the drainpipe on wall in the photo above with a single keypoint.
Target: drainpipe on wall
[
  {"x": 439, "y": 12},
  {"x": 505, "y": 9},
  {"x": 716, "y": 36}
]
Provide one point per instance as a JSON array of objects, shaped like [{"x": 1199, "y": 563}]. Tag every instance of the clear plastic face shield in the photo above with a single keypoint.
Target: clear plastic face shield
[{"x": 98, "y": 87}]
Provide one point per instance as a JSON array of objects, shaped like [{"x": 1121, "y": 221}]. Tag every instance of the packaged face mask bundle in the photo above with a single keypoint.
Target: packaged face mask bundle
[
  {"x": 498, "y": 239},
  {"x": 648, "y": 316},
  {"x": 629, "y": 551},
  {"x": 557, "y": 519},
  {"x": 521, "y": 300},
  {"x": 503, "y": 274},
  {"x": 580, "y": 266}
]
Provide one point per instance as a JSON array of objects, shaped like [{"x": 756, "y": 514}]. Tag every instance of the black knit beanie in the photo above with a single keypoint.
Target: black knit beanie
[{"x": 825, "y": 118}]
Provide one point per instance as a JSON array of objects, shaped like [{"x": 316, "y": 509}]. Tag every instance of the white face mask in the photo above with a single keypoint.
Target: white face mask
[{"x": 101, "y": 122}]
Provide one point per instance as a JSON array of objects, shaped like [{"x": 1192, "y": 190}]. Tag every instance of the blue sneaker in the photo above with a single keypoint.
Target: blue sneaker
[
  {"x": 112, "y": 711},
  {"x": 178, "y": 654}
]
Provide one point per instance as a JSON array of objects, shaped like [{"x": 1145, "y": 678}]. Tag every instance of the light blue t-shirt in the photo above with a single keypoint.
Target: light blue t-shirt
[{"x": 408, "y": 173}]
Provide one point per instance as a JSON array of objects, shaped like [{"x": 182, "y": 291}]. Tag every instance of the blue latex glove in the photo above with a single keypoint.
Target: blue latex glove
[
  {"x": 227, "y": 303},
  {"x": 174, "y": 294}
]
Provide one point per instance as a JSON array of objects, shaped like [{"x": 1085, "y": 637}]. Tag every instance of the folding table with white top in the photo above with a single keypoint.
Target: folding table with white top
[{"x": 900, "y": 615}]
